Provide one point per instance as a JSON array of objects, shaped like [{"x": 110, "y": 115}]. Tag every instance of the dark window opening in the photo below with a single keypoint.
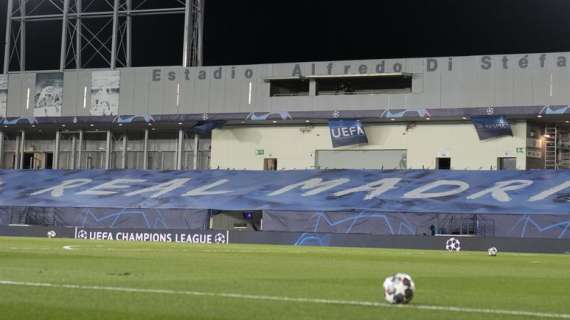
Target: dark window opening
[
  {"x": 289, "y": 87},
  {"x": 443, "y": 163},
  {"x": 364, "y": 85}
]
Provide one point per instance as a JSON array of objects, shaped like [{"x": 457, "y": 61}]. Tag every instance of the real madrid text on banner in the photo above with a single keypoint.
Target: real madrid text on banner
[
  {"x": 347, "y": 132},
  {"x": 491, "y": 126}
]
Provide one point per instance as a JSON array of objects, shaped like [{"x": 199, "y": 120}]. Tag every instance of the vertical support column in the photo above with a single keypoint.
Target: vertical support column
[
  {"x": 17, "y": 153},
  {"x": 129, "y": 33},
  {"x": 312, "y": 87},
  {"x": 22, "y": 148},
  {"x": 73, "y": 151},
  {"x": 145, "y": 150},
  {"x": 188, "y": 22},
  {"x": 200, "y": 33},
  {"x": 196, "y": 151},
  {"x": 23, "y": 35},
  {"x": 56, "y": 151},
  {"x": 179, "y": 149},
  {"x": 78, "y": 34},
  {"x": 114, "y": 35},
  {"x": 80, "y": 149},
  {"x": 108, "y": 151},
  {"x": 63, "y": 51},
  {"x": 124, "y": 155},
  {"x": 7, "y": 38},
  {"x": 1, "y": 149}
]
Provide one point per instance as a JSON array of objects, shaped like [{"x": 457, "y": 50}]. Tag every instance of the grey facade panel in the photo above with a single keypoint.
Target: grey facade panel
[
  {"x": 444, "y": 82},
  {"x": 70, "y": 96},
  {"x": 83, "y": 90},
  {"x": 128, "y": 88},
  {"x": 141, "y": 93},
  {"x": 18, "y": 85}
]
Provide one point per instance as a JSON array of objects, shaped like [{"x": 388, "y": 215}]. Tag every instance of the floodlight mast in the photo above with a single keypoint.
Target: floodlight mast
[{"x": 80, "y": 44}]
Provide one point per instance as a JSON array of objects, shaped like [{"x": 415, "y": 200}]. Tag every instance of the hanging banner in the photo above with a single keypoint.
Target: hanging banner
[
  {"x": 105, "y": 93},
  {"x": 49, "y": 94},
  {"x": 206, "y": 127},
  {"x": 3, "y": 94},
  {"x": 491, "y": 126},
  {"x": 347, "y": 132},
  {"x": 407, "y": 191}
]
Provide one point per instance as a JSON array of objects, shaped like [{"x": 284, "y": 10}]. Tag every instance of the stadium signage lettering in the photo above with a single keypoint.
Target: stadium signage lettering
[
  {"x": 216, "y": 74},
  {"x": 436, "y": 189},
  {"x": 347, "y": 132},
  {"x": 431, "y": 65},
  {"x": 487, "y": 62},
  {"x": 176, "y": 237}
]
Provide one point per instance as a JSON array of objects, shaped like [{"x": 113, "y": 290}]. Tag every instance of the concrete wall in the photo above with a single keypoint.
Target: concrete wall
[
  {"x": 474, "y": 81},
  {"x": 236, "y": 148}
]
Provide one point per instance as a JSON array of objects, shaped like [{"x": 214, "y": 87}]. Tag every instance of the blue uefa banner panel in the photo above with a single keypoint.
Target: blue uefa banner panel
[
  {"x": 491, "y": 126},
  {"x": 347, "y": 132}
]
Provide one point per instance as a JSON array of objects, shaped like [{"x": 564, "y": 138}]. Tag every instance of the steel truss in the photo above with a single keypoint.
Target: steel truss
[{"x": 80, "y": 43}]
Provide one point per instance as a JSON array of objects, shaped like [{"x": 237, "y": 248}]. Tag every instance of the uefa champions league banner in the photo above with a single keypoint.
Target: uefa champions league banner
[
  {"x": 347, "y": 132},
  {"x": 105, "y": 93},
  {"x": 3, "y": 94},
  {"x": 49, "y": 94},
  {"x": 406, "y": 191},
  {"x": 175, "y": 236},
  {"x": 491, "y": 126}
]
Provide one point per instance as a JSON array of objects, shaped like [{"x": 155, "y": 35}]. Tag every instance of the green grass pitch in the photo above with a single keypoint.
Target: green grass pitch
[{"x": 39, "y": 279}]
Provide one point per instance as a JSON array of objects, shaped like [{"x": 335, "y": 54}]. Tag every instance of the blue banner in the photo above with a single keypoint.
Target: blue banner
[
  {"x": 402, "y": 191},
  {"x": 206, "y": 127},
  {"x": 491, "y": 126},
  {"x": 347, "y": 132}
]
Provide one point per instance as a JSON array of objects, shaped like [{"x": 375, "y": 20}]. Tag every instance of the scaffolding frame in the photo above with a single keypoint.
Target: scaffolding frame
[{"x": 76, "y": 37}]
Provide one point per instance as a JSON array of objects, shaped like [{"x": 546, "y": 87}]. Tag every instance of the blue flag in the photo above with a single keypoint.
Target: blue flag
[
  {"x": 206, "y": 127},
  {"x": 347, "y": 132},
  {"x": 491, "y": 126}
]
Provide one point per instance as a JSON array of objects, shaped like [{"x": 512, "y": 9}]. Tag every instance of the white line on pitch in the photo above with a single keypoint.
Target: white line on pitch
[{"x": 289, "y": 299}]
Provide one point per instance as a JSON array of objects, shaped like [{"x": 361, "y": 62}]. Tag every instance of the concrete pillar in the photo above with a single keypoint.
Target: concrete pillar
[
  {"x": 56, "y": 150},
  {"x": 80, "y": 149},
  {"x": 124, "y": 155},
  {"x": 108, "y": 151},
  {"x": 145, "y": 150},
  {"x": 22, "y": 148},
  {"x": 196, "y": 144},
  {"x": 179, "y": 149}
]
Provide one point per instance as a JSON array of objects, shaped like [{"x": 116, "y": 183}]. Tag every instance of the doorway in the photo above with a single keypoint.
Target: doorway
[
  {"x": 38, "y": 160},
  {"x": 270, "y": 164},
  {"x": 443, "y": 163},
  {"x": 507, "y": 163}
]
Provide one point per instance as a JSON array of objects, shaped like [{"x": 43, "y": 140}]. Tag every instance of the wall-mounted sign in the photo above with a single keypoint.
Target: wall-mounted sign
[
  {"x": 105, "y": 93},
  {"x": 347, "y": 132},
  {"x": 491, "y": 126},
  {"x": 49, "y": 94}
]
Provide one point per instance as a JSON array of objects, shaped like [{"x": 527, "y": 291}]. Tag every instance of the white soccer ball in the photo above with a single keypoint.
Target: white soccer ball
[
  {"x": 399, "y": 288},
  {"x": 453, "y": 244},
  {"x": 492, "y": 251},
  {"x": 51, "y": 234}
]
